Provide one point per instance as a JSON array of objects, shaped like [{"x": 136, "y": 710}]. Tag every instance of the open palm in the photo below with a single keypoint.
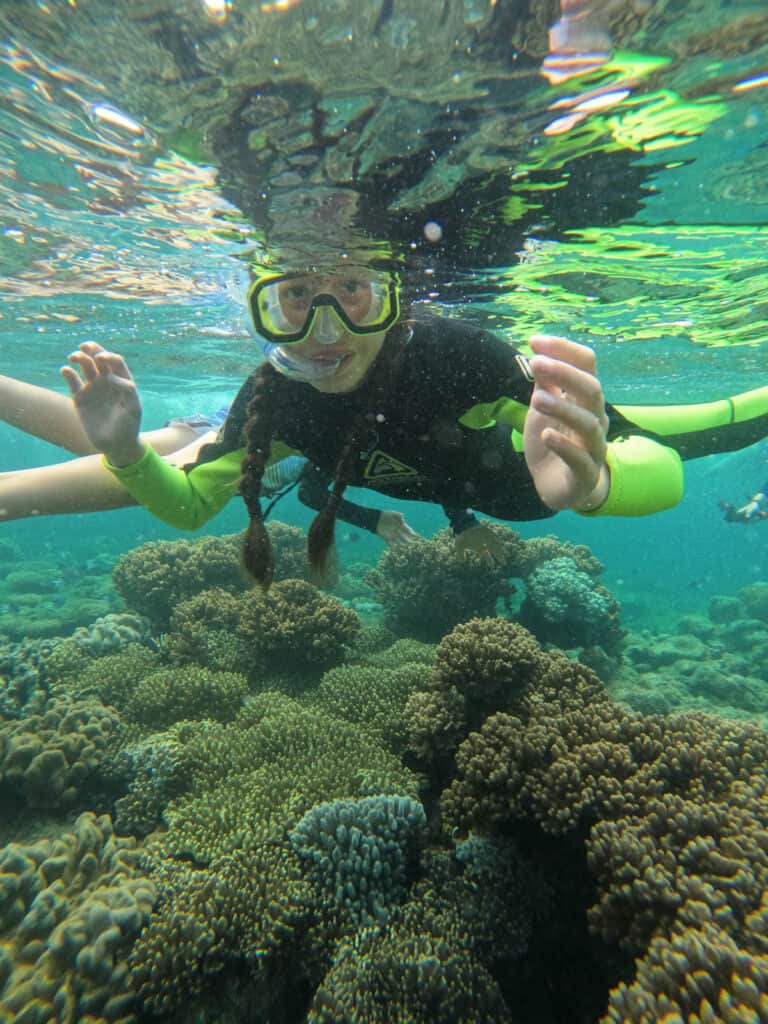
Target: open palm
[
  {"x": 565, "y": 428},
  {"x": 106, "y": 400}
]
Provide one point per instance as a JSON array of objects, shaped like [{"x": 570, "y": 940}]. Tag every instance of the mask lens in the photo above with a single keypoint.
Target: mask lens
[{"x": 288, "y": 308}]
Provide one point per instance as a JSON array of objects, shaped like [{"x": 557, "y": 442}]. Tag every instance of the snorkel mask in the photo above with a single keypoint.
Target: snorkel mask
[{"x": 286, "y": 309}]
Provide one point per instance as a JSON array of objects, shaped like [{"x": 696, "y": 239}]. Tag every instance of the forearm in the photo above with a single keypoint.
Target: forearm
[
  {"x": 43, "y": 413},
  {"x": 184, "y": 500},
  {"x": 313, "y": 492},
  {"x": 645, "y": 477},
  {"x": 460, "y": 519},
  {"x": 82, "y": 485}
]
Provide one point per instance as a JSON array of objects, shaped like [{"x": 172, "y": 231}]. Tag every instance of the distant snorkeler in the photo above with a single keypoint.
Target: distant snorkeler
[{"x": 754, "y": 511}]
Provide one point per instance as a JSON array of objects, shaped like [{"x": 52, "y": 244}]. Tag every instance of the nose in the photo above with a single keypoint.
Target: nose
[{"x": 327, "y": 330}]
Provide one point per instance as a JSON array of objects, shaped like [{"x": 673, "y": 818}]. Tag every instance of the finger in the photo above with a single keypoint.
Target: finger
[
  {"x": 74, "y": 383},
  {"x": 85, "y": 364},
  {"x": 585, "y": 424},
  {"x": 557, "y": 377},
  {"x": 581, "y": 461},
  {"x": 563, "y": 349},
  {"x": 91, "y": 348},
  {"x": 112, "y": 363}
]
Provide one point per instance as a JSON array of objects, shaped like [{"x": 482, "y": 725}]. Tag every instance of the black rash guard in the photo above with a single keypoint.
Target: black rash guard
[{"x": 416, "y": 448}]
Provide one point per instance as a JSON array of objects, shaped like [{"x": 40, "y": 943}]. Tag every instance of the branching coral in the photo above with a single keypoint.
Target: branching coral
[
  {"x": 481, "y": 666},
  {"x": 159, "y": 769},
  {"x": 154, "y": 578},
  {"x": 173, "y": 694},
  {"x": 234, "y": 890},
  {"x": 200, "y": 627},
  {"x": 375, "y": 698},
  {"x": 422, "y": 967},
  {"x": 295, "y": 627},
  {"x": 426, "y": 587},
  {"x": 677, "y": 844},
  {"x": 111, "y": 678},
  {"x": 245, "y": 908},
  {"x": 695, "y": 975},
  {"x": 257, "y": 776}
]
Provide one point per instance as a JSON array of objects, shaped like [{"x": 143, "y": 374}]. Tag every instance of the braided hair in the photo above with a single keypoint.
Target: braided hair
[{"x": 269, "y": 394}]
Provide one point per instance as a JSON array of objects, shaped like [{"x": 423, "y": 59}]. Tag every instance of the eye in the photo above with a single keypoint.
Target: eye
[
  {"x": 297, "y": 292},
  {"x": 352, "y": 286}
]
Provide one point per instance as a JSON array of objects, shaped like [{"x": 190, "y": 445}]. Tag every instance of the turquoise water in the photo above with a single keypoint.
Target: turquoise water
[{"x": 597, "y": 170}]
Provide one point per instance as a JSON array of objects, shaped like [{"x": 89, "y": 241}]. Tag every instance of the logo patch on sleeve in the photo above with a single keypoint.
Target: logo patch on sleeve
[{"x": 381, "y": 466}]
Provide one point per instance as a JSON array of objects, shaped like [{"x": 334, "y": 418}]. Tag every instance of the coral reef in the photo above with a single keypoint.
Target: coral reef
[
  {"x": 373, "y": 697},
  {"x": 260, "y": 773},
  {"x": 249, "y": 907},
  {"x": 159, "y": 768},
  {"x": 674, "y": 813},
  {"x": 296, "y": 628},
  {"x": 713, "y": 663},
  {"x": 432, "y": 961},
  {"x": 172, "y": 694},
  {"x": 695, "y": 975},
  {"x": 566, "y": 606},
  {"x": 359, "y": 851},
  {"x": 426, "y": 588},
  {"x": 42, "y": 599},
  {"x": 154, "y": 578},
  {"x": 480, "y": 666},
  {"x": 24, "y": 686},
  {"x": 70, "y": 909},
  {"x": 53, "y": 758},
  {"x": 111, "y": 633},
  {"x": 202, "y": 631}
]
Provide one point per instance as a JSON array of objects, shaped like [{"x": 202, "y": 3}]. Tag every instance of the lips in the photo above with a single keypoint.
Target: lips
[{"x": 327, "y": 358}]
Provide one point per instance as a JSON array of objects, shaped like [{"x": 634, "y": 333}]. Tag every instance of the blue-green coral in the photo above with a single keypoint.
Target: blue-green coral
[
  {"x": 360, "y": 850},
  {"x": 561, "y": 591}
]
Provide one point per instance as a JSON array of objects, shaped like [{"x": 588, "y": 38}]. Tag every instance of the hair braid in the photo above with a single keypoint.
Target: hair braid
[
  {"x": 321, "y": 549},
  {"x": 257, "y": 549}
]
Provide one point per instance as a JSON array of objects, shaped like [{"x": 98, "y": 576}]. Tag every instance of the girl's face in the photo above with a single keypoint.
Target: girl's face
[{"x": 358, "y": 353}]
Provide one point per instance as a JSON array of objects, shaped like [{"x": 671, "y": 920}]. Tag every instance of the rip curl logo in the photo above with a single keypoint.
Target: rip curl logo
[
  {"x": 381, "y": 466},
  {"x": 524, "y": 366}
]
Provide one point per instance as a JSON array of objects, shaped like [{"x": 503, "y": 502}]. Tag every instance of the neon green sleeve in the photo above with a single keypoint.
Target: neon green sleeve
[
  {"x": 184, "y": 500},
  {"x": 646, "y": 477},
  {"x": 189, "y": 499}
]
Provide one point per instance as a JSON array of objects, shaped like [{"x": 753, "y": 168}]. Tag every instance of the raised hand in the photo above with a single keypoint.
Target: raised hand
[
  {"x": 107, "y": 402},
  {"x": 565, "y": 429}
]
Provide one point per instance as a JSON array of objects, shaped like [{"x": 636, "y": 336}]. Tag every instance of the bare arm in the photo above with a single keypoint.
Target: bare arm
[{"x": 80, "y": 485}]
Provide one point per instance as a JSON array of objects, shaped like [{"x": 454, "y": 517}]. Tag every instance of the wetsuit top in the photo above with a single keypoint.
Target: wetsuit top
[
  {"x": 313, "y": 492},
  {"x": 415, "y": 446},
  {"x": 449, "y": 431}
]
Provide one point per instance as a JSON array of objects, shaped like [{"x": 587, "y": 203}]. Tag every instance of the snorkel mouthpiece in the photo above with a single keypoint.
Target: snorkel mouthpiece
[{"x": 297, "y": 367}]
